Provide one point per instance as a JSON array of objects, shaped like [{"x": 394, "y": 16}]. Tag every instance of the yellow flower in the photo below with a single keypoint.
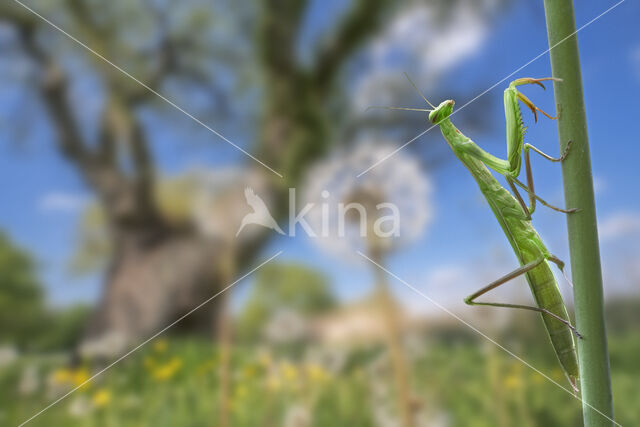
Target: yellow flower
[
  {"x": 265, "y": 359},
  {"x": 316, "y": 373},
  {"x": 273, "y": 383},
  {"x": 149, "y": 363},
  {"x": 205, "y": 367},
  {"x": 512, "y": 382},
  {"x": 537, "y": 378},
  {"x": 289, "y": 372},
  {"x": 101, "y": 398},
  {"x": 168, "y": 370},
  {"x": 240, "y": 392},
  {"x": 76, "y": 378},
  {"x": 80, "y": 377},
  {"x": 161, "y": 345},
  {"x": 249, "y": 371},
  {"x": 62, "y": 376}
]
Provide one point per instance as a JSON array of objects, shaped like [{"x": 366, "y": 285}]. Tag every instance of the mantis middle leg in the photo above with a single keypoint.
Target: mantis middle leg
[{"x": 530, "y": 186}]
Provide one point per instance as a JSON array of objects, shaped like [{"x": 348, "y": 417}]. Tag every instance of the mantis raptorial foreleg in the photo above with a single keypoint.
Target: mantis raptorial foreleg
[
  {"x": 527, "y": 210},
  {"x": 510, "y": 167},
  {"x": 508, "y": 277}
]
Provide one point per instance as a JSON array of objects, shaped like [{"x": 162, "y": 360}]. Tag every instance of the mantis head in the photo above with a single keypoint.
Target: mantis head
[{"x": 442, "y": 111}]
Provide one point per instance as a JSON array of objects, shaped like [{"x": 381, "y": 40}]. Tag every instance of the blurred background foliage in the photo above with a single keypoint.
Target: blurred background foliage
[
  {"x": 277, "y": 287},
  {"x": 27, "y": 321}
]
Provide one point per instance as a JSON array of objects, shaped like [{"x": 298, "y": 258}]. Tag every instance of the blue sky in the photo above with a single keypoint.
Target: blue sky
[{"x": 41, "y": 193}]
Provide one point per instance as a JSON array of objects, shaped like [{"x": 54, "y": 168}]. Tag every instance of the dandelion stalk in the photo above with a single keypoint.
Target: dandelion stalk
[
  {"x": 394, "y": 331},
  {"x": 583, "y": 234},
  {"x": 225, "y": 340}
]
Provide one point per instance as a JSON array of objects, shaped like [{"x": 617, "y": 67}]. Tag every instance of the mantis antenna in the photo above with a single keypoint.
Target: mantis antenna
[
  {"x": 408, "y": 109},
  {"x": 418, "y": 90},
  {"x": 398, "y": 108}
]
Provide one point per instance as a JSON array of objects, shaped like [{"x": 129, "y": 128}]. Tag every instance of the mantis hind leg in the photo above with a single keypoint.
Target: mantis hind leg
[{"x": 471, "y": 299}]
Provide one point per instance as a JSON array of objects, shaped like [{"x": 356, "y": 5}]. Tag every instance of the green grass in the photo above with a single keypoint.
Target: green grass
[{"x": 174, "y": 383}]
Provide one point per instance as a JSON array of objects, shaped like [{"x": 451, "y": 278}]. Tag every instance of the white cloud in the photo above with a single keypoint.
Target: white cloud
[
  {"x": 418, "y": 38},
  {"x": 448, "y": 285},
  {"x": 445, "y": 285},
  {"x": 447, "y": 277},
  {"x": 61, "y": 202},
  {"x": 416, "y": 32},
  {"x": 619, "y": 224}
]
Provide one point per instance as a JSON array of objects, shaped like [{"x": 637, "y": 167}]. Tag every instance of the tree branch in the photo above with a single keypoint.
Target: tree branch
[
  {"x": 361, "y": 22},
  {"x": 53, "y": 87},
  {"x": 277, "y": 32}
]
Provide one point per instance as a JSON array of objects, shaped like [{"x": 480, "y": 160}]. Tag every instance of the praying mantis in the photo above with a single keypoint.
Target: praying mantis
[{"x": 514, "y": 215}]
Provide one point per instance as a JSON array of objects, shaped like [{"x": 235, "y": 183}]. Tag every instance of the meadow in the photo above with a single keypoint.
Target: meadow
[{"x": 457, "y": 380}]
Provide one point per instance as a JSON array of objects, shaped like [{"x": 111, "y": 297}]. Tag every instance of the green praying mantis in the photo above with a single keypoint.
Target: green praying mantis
[{"x": 514, "y": 215}]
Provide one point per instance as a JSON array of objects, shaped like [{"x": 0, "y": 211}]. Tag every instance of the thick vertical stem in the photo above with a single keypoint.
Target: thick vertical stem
[
  {"x": 225, "y": 340},
  {"x": 583, "y": 233},
  {"x": 391, "y": 317}
]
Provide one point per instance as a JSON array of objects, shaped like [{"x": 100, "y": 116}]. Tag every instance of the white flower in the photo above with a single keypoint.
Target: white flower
[
  {"x": 286, "y": 326},
  {"x": 8, "y": 355},
  {"x": 397, "y": 181},
  {"x": 109, "y": 345},
  {"x": 80, "y": 406},
  {"x": 29, "y": 381},
  {"x": 333, "y": 359},
  {"x": 297, "y": 416},
  {"x": 440, "y": 419},
  {"x": 383, "y": 418}
]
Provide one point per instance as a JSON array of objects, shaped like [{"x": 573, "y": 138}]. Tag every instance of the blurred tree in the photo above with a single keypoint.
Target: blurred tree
[
  {"x": 161, "y": 42},
  {"x": 62, "y": 329},
  {"x": 283, "y": 286},
  {"x": 27, "y": 322},
  {"x": 188, "y": 50},
  {"x": 22, "y": 310}
]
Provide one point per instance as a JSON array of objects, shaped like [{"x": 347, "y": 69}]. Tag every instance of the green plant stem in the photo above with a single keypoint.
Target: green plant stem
[
  {"x": 583, "y": 233},
  {"x": 394, "y": 331}
]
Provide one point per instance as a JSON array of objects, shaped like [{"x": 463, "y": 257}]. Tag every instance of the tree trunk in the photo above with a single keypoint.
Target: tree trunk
[{"x": 154, "y": 280}]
